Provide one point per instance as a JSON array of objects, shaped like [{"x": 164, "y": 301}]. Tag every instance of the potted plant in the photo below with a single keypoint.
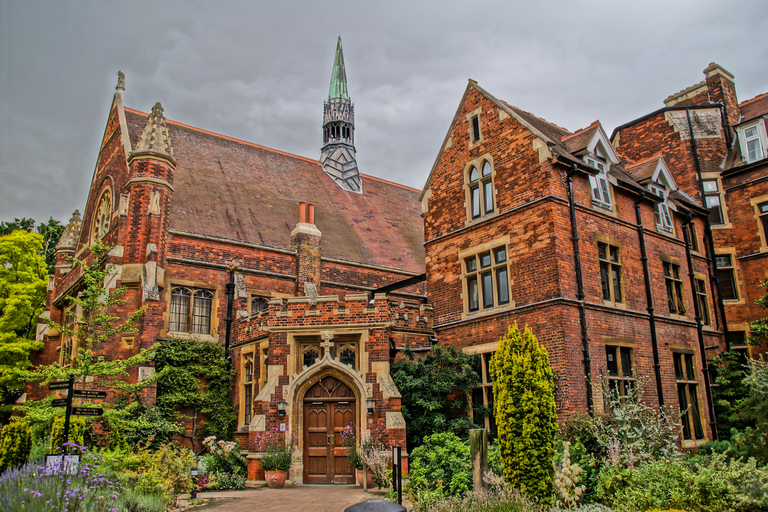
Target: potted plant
[
  {"x": 276, "y": 459},
  {"x": 367, "y": 451}
]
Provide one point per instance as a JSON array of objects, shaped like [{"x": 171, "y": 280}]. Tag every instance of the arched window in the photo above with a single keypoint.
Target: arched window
[
  {"x": 311, "y": 354},
  {"x": 102, "y": 216},
  {"x": 480, "y": 183},
  {"x": 191, "y": 310},
  {"x": 259, "y": 305}
]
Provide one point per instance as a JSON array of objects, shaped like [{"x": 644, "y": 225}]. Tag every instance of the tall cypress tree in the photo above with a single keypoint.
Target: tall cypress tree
[{"x": 524, "y": 406}]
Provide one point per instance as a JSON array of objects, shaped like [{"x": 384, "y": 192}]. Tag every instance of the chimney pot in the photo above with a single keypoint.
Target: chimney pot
[
  {"x": 311, "y": 213},
  {"x": 302, "y": 211}
]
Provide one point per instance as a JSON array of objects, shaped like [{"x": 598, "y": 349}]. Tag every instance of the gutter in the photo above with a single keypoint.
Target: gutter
[
  {"x": 580, "y": 290},
  {"x": 649, "y": 302}
]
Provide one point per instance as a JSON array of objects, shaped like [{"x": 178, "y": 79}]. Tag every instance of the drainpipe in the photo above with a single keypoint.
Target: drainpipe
[
  {"x": 230, "y": 292},
  {"x": 699, "y": 327},
  {"x": 710, "y": 245},
  {"x": 649, "y": 301},
  {"x": 580, "y": 292}
]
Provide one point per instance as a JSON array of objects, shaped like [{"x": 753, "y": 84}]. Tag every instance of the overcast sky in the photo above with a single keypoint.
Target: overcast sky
[{"x": 259, "y": 71}]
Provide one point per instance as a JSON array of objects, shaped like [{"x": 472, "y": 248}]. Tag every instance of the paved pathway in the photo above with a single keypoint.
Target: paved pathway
[{"x": 304, "y": 498}]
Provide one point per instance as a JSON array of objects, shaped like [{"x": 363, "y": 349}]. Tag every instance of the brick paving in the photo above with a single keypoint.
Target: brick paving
[{"x": 305, "y": 498}]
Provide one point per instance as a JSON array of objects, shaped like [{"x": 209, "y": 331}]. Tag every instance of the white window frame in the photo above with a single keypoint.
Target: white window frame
[
  {"x": 663, "y": 216},
  {"x": 600, "y": 188},
  {"x": 759, "y": 136},
  {"x": 718, "y": 193}
]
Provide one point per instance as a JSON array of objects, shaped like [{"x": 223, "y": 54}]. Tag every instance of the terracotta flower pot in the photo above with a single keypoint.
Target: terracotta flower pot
[
  {"x": 276, "y": 478},
  {"x": 371, "y": 482}
]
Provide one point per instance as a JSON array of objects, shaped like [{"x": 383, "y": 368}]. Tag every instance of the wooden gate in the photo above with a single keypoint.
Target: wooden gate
[{"x": 329, "y": 406}]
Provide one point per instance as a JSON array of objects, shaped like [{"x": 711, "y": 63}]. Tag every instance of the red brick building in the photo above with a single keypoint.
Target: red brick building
[
  {"x": 605, "y": 246},
  {"x": 716, "y": 147},
  {"x": 320, "y": 269},
  {"x": 527, "y": 222}
]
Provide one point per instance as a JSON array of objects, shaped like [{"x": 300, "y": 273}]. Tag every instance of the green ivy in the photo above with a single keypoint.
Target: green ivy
[
  {"x": 524, "y": 406},
  {"x": 435, "y": 390},
  {"x": 194, "y": 376}
]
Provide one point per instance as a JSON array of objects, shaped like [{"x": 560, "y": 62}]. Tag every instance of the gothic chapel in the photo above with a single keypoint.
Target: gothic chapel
[{"x": 308, "y": 272}]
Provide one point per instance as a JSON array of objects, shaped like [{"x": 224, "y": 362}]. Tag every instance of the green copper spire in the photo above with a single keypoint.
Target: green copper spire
[{"x": 339, "y": 76}]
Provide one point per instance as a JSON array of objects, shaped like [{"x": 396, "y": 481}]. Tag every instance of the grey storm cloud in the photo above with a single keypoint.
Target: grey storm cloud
[{"x": 259, "y": 71}]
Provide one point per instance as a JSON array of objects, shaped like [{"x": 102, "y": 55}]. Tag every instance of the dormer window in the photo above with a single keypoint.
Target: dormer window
[
  {"x": 663, "y": 218},
  {"x": 753, "y": 142},
  {"x": 601, "y": 195}
]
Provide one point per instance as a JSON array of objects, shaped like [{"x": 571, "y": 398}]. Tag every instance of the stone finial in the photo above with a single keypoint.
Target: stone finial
[
  {"x": 120, "y": 81},
  {"x": 71, "y": 234},
  {"x": 154, "y": 141}
]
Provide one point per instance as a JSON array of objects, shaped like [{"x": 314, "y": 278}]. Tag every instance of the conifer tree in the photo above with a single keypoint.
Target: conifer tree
[{"x": 524, "y": 407}]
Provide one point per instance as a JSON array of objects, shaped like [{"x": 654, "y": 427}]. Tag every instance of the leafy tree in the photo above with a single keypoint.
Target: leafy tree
[
  {"x": 22, "y": 300},
  {"x": 94, "y": 325},
  {"x": 434, "y": 391},
  {"x": 23, "y": 224},
  {"x": 524, "y": 406},
  {"x": 194, "y": 376},
  {"x": 51, "y": 232},
  {"x": 754, "y": 407},
  {"x": 759, "y": 328},
  {"x": 732, "y": 367}
]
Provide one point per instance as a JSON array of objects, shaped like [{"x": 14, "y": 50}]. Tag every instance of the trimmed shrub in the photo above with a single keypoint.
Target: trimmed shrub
[
  {"x": 715, "y": 484},
  {"x": 15, "y": 445},
  {"x": 524, "y": 406},
  {"x": 76, "y": 433},
  {"x": 439, "y": 468}
]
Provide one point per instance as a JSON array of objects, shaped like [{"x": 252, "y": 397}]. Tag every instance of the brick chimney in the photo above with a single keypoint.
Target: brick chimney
[
  {"x": 305, "y": 240},
  {"x": 722, "y": 89}
]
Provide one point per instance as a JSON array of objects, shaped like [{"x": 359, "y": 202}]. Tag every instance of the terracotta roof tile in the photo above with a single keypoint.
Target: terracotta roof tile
[
  {"x": 756, "y": 107},
  {"x": 644, "y": 169},
  {"x": 238, "y": 190},
  {"x": 580, "y": 138}
]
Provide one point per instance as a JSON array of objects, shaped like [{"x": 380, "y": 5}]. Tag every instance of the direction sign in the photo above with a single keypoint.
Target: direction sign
[
  {"x": 59, "y": 402},
  {"x": 87, "y": 411},
  {"x": 62, "y": 384},
  {"x": 88, "y": 393}
]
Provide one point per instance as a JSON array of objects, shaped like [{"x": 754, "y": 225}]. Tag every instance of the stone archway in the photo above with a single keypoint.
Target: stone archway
[{"x": 328, "y": 406}]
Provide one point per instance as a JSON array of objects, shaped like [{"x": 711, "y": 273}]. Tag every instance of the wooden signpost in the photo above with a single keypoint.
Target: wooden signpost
[{"x": 69, "y": 385}]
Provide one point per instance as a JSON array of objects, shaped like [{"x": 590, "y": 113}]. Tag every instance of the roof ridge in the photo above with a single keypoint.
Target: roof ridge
[
  {"x": 759, "y": 96},
  {"x": 654, "y": 156},
  {"x": 169, "y": 121},
  {"x": 376, "y": 178},
  {"x": 594, "y": 124},
  {"x": 537, "y": 117}
]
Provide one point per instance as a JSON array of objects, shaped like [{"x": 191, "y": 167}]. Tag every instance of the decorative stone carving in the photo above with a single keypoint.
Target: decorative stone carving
[
  {"x": 71, "y": 234},
  {"x": 386, "y": 384},
  {"x": 310, "y": 291},
  {"x": 146, "y": 372},
  {"x": 120, "y": 81},
  {"x": 395, "y": 419},
  {"x": 706, "y": 123},
  {"x": 154, "y": 141},
  {"x": 240, "y": 291}
]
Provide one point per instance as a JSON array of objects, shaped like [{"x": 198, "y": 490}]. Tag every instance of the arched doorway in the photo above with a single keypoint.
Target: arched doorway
[{"x": 329, "y": 406}]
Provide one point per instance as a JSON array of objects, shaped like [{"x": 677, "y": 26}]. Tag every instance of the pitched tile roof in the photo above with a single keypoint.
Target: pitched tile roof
[
  {"x": 581, "y": 138},
  {"x": 238, "y": 190},
  {"x": 756, "y": 107},
  {"x": 644, "y": 169}
]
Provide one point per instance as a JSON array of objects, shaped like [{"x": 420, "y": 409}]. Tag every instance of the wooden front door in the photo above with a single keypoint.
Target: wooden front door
[{"x": 329, "y": 406}]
